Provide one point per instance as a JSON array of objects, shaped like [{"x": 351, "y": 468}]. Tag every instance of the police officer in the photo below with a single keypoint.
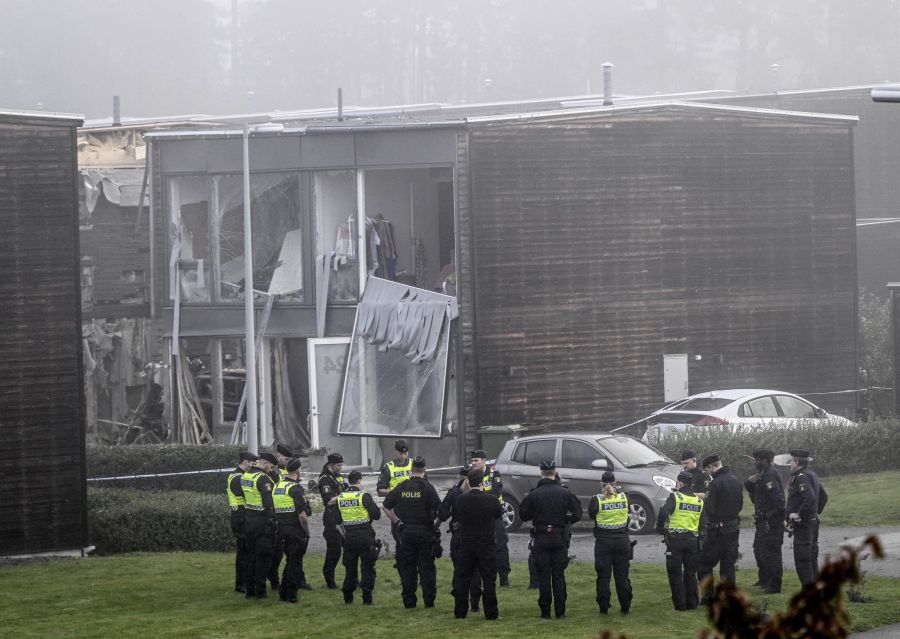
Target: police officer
[
  {"x": 260, "y": 523},
  {"x": 493, "y": 485},
  {"x": 767, "y": 494},
  {"x": 292, "y": 511},
  {"x": 236, "y": 504},
  {"x": 331, "y": 484},
  {"x": 805, "y": 502},
  {"x": 392, "y": 473},
  {"x": 552, "y": 508},
  {"x": 357, "y": 510},
  {"x": 476, "y": 511},
  {"x": 699, "y": 479},
  {"x": 413, "y": 506},
  {"x": 445, "y": 512},
  {"x": 612, "y": 547},
  {"x": 283, "y": 454},
  {"x": 724, "y": 500},
  {"x": 679, "y": 520}
]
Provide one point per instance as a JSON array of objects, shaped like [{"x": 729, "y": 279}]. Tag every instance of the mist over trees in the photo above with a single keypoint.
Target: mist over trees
[{"x": 169, "y": 57}]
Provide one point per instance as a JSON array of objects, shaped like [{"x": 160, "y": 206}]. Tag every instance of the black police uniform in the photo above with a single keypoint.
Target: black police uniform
[
  {"x": 613, "y": 553},
  {"x": 259, "y": 527},
  {"x": 331, "y": 485},
  {"x": 242, "y": 554},
  {"x": 493, "y": 485},
  {"x": 807, "y": 497},
  {"x": 415, "y": 502},
  {"x": 552, "y": 508},
  {"x": 476, "y": 512},
  {"x": 360, "y": 553},
  {"x": 724, "y": 500},
  {"x": 767, "y": 494},
  {"x": 445, "y": 512},
  {"x": 700, "y": 481},
  {"x": 277, "y": 540},
  {"x": 682, "y": 554},
  {"x": 295, "y": 541}
]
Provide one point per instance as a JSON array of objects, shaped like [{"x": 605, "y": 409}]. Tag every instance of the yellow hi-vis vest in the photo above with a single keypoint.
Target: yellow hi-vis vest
[
  {"x": 397, "y": 473},
  {"x": 234, "y": 501},
  {"x": 252, "y": 496},
  {"x": 487, "y": 483},
  {"x": 612, "y": 512},
  {"x": 686, "y": 517},
  {"x": 281, "y": 497},
  {"x": 350, "y": 505}
]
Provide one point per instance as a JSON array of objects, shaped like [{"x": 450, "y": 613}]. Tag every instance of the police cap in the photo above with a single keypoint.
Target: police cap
[
  {"x": 284, "y": 449},
  {"x": 710, "y": 459},
  {"x": 478, "y": 454},
  {"x": 354, "y": 476},
  {"x": 269, "y": 457},
  {"x": 246, "y": 455},
  {"x": 418, "y": 462},
  {"x": 687, "y": 453},
  {"x": 335, "y": 458},
  {"x": 609, "y": 477},
  {"x": 548, "y": 464},
  {"x": 685, "y": 478},
  {"x": 799, "y": 453},
  {"x": 400, "y": 446},
  {"x": 293, "y": 464},
  {"x": 764, "y": 453}
]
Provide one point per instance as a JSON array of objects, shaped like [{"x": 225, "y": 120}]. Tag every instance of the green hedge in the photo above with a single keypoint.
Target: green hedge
[
  {"x": 126, "y": 520},
  {"x": 837, "y": 450},
  {"x": 111, "y": 461}
]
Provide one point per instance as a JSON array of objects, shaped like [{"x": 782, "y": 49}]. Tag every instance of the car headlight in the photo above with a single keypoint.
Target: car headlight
[{"x": 664, "y": 482}]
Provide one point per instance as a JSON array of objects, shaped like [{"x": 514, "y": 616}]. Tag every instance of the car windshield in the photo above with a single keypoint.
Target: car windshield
[
  {"x": 632, "y": 453},
  {"x": 705, "y": 403}
]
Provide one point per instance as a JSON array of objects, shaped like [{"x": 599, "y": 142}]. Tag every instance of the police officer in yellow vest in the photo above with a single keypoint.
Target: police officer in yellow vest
[
  {"x": 681, "y": 520},
  {"x": 612, "y": 547},
  {"x": 236, "y": 504},
  {"x": 260, "y": 523},
  {"x": 292, "y": 511},
  {"x": 357, "y": 510},
  {"x": 493, "y": 485},
  {"x": 283, "y": 453},
  {"x": 392, "y": 475}
]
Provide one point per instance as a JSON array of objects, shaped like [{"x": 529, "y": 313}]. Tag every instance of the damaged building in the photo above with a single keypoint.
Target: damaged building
[{"x": 539, "y": 264}]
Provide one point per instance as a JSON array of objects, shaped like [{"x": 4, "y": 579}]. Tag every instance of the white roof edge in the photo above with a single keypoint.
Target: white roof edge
[
  {"x": 828, "y": 117},
  {"x": 856, "y": 87},
  {"x": 49, "y": 115}
]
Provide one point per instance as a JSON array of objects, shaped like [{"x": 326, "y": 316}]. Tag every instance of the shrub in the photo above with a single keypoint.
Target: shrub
[
  {"x": 837, "y": 449},
  {"x": 146, "y": 459},
  {"x": 126, "y": 520}
]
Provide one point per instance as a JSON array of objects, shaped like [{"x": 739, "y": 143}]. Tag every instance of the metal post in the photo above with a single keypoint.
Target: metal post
[
  {"x": 117, "y": 111},
  {"x": 607, "y": 83},
  {"x": 252, "y": 433}
]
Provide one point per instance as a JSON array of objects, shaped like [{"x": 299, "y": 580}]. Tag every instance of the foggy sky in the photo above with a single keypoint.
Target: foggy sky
[{"x": 167, "y": 57}]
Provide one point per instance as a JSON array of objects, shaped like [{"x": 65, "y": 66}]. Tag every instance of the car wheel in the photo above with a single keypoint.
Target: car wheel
[
  {"x": 511, "y": 514},
  {"x": 640, "y": 515}
]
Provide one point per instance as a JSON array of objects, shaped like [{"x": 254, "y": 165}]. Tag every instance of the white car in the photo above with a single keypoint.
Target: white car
[{"x": 746, "y": 407}]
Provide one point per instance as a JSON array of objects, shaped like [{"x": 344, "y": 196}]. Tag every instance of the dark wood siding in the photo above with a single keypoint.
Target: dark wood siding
[
  {"x": 41, "y": 429},
  {"x": 602, "y": 243}
]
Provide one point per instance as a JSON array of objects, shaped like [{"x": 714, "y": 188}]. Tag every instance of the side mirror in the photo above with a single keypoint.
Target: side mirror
[
  {"x": 820, "y": 413},
  {"x": 599, "y": 463}
]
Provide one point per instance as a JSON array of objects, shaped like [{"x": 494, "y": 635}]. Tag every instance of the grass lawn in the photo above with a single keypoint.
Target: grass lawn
[{"x": 190, "y": 595}]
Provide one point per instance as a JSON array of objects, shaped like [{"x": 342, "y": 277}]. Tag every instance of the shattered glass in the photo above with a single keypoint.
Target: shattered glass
[
  {"x": 277, "y": 221},
  {"x": 387, "y": 395},
  {"x": 189, "y": 208}
]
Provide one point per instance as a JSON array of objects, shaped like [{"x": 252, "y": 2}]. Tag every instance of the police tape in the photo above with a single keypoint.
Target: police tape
[{"x": 227, "y": 470}]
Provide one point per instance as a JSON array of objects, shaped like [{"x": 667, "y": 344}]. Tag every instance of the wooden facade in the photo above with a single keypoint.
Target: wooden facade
[
  {"x": 602, "y": 242},
  {"x": 42, "y": 430}
]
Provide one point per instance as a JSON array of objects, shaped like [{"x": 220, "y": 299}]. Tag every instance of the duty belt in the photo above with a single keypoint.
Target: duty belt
[
  {"x": 681, "y": 531},
  {"x": 547, "y": 528}
]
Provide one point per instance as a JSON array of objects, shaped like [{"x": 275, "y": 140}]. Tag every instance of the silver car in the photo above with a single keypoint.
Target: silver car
[{"x": 646, "y": 475}]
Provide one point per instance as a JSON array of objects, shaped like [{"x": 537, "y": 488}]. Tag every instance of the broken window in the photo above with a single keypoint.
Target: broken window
[
  {"x": 396, "y": 377},
  {"x": 191, "y": 246},
  {"x": 277, "y": 222},
  {"x": 334, "y": 202}
]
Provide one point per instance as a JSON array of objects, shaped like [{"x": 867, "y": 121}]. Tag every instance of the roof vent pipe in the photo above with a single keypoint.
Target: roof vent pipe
[
  {"x": 117, "y": 111},
  {"x": 340, "y": 104},
  {"x": 775, "y": 68},
  {"x": 607, "y": 83}
]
